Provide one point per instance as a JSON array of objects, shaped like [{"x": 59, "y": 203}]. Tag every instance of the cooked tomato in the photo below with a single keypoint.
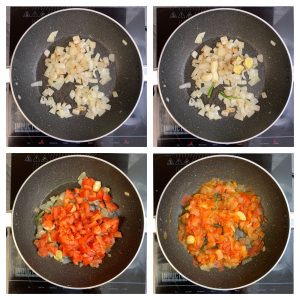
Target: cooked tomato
[{"x": 210, "y": 222}]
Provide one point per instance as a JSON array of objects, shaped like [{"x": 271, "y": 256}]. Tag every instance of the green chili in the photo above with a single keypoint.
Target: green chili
[
  {"x": 40, "y": 214},
  {"x": 228, "y": 97},
  {"x": 210, "y": 91}
]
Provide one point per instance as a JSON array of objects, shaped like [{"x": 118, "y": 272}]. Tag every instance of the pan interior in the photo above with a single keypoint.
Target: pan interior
[
  {"x": 175, "y": 69},
  {"x": 52, "y": 179},
  {"x": 28, "y": 66},
  {"x": 227, "y": 168}
]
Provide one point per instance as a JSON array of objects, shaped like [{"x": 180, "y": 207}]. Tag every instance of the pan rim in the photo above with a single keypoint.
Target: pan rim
[
  {"x": 285, "y": 47},
  {"x": 248, "y": 161},
  {"x": 103, "y": 161},
  {"x": 140, "y": 60}
]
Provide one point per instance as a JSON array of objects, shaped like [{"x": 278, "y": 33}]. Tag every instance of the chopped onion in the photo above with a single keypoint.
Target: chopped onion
[
  {"x": 81, "y": 176},
  {"x": 46, "y": 52},
  {"x": 115, "y": 94},
  {"x": 76, "y": 64},
  {"x": 111, "y": 57},
  {"x": 224, "y": 40},
  {"x": 19, "y": 97},
  {"x": 37, "y": 83},
  {"x": 167, "y": 99},
  {"x": 273, "y": 43},
  {"x": 186, "y": 85},
  {"x": 199, "y": 38},
  {"x": 48, "y": 92},
  {"x": 194, "y": 54},
  {"x": 260, "y": 58},
  {"x": 264, "y": 95},
  {"x": 72, "y": 94},
  {"x": 124, "y": 42},
  {"x": 52, "y": 36}
]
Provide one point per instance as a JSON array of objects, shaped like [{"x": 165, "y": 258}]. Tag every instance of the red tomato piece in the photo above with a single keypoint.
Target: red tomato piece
[
  {"x": 111, "y": 206},
  {"x": 106, "y": 197}
]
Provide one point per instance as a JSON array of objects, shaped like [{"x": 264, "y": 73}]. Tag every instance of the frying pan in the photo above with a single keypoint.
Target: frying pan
[
  {"x": 28, "y": 66},
  {"x": 175, "y": 68},
  {"x": 245, "y": 172},
  {"x": 52, "y": 179}
]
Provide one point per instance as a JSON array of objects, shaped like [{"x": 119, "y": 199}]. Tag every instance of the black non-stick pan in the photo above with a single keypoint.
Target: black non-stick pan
[
  {"x": 52, "y": 179},
  {"x": 187, "y": 181},
  {"x": 28, "y": 66},
  {"x": 275, "y": 73}
]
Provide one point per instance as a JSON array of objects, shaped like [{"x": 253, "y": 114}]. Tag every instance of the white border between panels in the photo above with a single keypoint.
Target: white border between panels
[{"x": 150, "y": 150}]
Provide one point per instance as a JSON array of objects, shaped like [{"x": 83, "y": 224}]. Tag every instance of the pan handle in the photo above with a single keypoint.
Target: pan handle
[{"x": 8, "y": 219}]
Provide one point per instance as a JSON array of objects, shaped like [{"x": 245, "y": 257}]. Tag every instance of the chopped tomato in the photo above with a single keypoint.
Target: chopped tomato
[
  {"x": 111, "y": 206},
  {"x": 100, "y": 194},
  {"x": 118, "y": 234},
  {"x": 84, "y": 194},
  {"x": 83, "y": 234},
  {"x": 92, "y": 196},
  {"x": 79, "y": 200},
  {"x": 106, "y": 197}
]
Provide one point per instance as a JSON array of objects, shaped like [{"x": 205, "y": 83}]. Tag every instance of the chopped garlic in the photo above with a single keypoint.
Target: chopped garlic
[
  {"x": 238, "y": 69},
  {"x": 96, "y": 186},
  {"x": 190, "y": 239},
  {"x": 248, "y": 63},
  {"x": 219, "y": 254},
  {"x": 241, "y": 215}
]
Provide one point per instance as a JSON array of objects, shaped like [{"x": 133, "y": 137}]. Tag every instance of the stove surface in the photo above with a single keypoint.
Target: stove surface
[
  {"x": 21, "y": 279},
  {"x": 21, "y": 133},
  {"x": 279, "y": 280},
  {"x": 166, "y": 131}
]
